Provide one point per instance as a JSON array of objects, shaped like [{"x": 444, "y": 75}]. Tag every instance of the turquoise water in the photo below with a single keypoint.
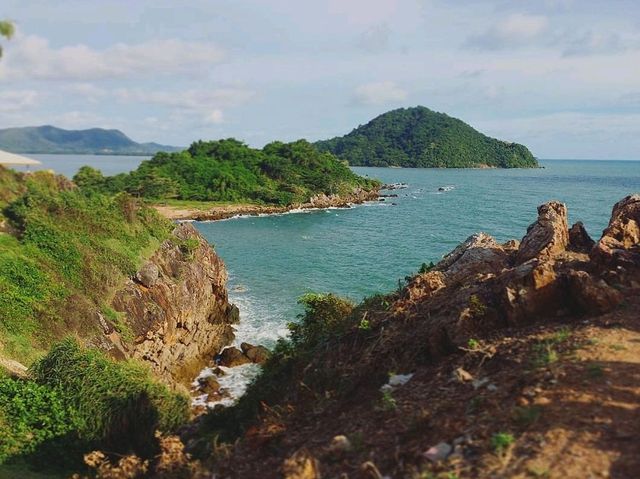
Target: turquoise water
[{"x": 273, "y": 260}]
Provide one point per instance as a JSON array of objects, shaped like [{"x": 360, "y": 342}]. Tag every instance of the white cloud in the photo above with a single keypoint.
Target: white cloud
[
  {"x": 379, "y": 93},
  {"x": 192, "y": 100},
  {"x": 593, "y": 43},
  {"x": 32, "y": 57},
  {"x": 216, "y": 117},
  {"x": 375, "y": 39},
  {"x": 18, "y": 100},
  {"x": 514, "y": 31}
]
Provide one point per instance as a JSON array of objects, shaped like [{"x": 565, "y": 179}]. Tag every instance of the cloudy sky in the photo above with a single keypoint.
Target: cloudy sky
[{"x": 561, "y": 76}]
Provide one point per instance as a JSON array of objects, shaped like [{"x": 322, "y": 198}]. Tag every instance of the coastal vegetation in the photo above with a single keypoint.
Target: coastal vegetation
[
  {"x": 62, "y": 252},
  {"x": 230, "y": 171},
  {"x": 77, "y": 399},
  {"x": 421, "y": 138}
]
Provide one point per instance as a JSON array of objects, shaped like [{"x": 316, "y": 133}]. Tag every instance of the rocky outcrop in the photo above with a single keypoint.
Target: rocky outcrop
[
  {"x": 619, "y": 248},
  {"x": 548, "y": 236},
  {"x": 579, "y": 239},
  {"x": 176, "y": 308},
  {"x": 553, "y": 272}
]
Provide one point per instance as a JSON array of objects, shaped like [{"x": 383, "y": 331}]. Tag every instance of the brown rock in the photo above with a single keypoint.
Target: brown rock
[
  {"x": 180, "y": 317},
  {"x": 579, "y": 239},
  {"x": 258, "y": 354},
  {"x": 231, "y": 357},
  {"x": 479, "y": 254},
  {"x": 620, "y": 242},
  {"x": 148, "y": 274},
  {"x": 592, "y": 296},
  {"x": 209, "y": 385},
  {"x": 548, "y": 236},
  {"x": 246, "y": 347}
]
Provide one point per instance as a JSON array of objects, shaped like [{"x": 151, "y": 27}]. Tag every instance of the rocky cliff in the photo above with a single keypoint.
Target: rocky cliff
[{"x": 175, "y": 310}]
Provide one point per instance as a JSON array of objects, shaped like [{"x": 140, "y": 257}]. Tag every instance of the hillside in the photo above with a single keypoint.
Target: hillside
[
  {"x": 49, "y": 139},
  {"x": 230, "y": 171},
  {"x": 421, "y": 138}
]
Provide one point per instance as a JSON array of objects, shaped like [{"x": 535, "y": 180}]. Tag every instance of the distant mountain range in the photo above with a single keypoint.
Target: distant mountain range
[
  {"x": 422, "y": 138},
  {"x": 95, "y": 141}
]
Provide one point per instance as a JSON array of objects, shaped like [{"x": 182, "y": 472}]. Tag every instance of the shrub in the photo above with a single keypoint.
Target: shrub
[
  {"x": 501, "y": 441},
  {"x": 30, "y": 414},
  {"x": 117, "y": 403}
]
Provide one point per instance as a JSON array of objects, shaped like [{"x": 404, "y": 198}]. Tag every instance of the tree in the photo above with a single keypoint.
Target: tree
[{"x": 7, "y": 30}]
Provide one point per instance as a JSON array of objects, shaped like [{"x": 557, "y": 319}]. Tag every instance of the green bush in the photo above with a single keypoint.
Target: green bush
[
  {"x": 117, "y": 403},
  {"x": 30, "y": 414}
]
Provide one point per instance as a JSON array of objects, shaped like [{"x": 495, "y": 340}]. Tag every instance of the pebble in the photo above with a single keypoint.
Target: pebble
[
  {"x": 439, "y": 452},
  {"x": 340, "y": 443}
]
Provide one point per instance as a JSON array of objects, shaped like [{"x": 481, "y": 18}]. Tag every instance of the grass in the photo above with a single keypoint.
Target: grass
[
  {"x": 70, "y": 251},
  {"x": 526, "y": 416},
  {"x": 501, "y": 441},
  {"x": 116, "y": 403},
  {"x": 388, "y": 402}
]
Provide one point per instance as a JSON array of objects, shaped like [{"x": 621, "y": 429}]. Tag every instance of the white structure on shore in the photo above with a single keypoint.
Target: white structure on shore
[{"x": 11, "y": 159}]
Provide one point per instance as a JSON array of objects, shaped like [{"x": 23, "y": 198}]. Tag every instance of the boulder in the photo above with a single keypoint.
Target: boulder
[
  {"x": 479, "y": 254},
  {"x": 590, "y": 295},
  {"x": 148, "y": 274},
  {"x": 548, "y": 236},
  {"x": 257, "y": 354},
  {"x": 209, "y": 385},
  {"x": 231, "y": 357},
  {"x": 579, "y": 239}
]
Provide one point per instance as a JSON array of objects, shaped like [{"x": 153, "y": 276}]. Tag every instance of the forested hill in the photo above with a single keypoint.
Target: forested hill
[
  {"x": 419, "y": 137},
  {"x": 49, "y": 139},
  {"x": 230, "y": 171}
]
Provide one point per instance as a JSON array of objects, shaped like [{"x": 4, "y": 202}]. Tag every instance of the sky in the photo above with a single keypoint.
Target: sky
[{"x": 560, "y": 76}]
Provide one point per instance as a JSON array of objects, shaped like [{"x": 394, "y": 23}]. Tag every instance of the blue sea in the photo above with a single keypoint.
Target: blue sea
[{"x": 274, "y": 260}]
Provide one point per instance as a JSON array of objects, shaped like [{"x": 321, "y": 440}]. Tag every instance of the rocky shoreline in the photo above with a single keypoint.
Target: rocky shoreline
[{"x": 177, "y": 213}]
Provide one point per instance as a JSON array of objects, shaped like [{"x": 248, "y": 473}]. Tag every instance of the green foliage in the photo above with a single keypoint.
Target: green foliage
[
  {"x": 388, "y": 402},
  {"x": 117, "y": 404},
  {"x": 324, "y": 317},
  {"x": 476, "y": 306},
  {"x": 30, "y": 414},
  {"x": 473, "y": 343},
  {"x": 228, "y": 170},
  {"x": 501, "y": 441},
  {"x": 419, "y": 137},
  {"x": 425, "y": 268},
  {"x": 7, "y": 30},
  {"x": 69, "y": 251}
]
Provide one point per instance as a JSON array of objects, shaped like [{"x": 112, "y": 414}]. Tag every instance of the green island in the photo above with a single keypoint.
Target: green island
[
  {"x": 421, "y": 138},
  {"x": 230, "y": 171}
]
